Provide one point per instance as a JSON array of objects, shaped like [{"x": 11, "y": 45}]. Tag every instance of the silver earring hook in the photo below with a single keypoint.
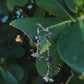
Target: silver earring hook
[
  {"x": 47, "y": 78},
  {"x": 37, "y": 31},
  {"x": 48, "y": 68},
  {"x": 38, "y": 24}
]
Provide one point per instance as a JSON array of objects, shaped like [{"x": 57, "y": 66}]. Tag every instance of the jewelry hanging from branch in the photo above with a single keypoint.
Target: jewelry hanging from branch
[{"x": 48, "y": 59}]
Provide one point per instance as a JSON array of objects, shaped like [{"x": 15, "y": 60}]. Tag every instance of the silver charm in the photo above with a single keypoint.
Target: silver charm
[
  {"x": 47, "y": 78},
  {"x": 36, "y": 55}
]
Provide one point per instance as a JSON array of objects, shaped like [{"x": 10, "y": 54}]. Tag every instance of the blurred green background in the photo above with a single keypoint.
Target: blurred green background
[{"x": 16, "y": 64}]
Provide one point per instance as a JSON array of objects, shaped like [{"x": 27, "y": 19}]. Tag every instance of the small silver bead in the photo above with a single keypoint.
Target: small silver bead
[{"x": 38, "y": 37}]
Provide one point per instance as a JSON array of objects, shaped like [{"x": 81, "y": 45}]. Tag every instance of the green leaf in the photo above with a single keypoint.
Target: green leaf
[
  {"x": 53, "y": 7},
  {"x": 13, "y": 3},
  {"x": 63, "y": 4},
  {"x": 28, "y": 25},
  {"x": 71, "y": 5},
  {"x": 81, "y": 77},
  {"x": 44, "y": 48},
  {"x": 16, "y": 71},
  {"x": 2, "y": 76},
  {"x": 79, "y": 2},
  {"x": 39, "y": 12},
  {"x": 25, "y": 78},
  {"x": 71, "y": 46},
  {"x": 3, "y": 8},
  {"x": 55, "y": 26},
  {"x": 2, "y": 60},
  {"x": 10, "y": 78},
  {"x": 42, "y": 66},
  {"x": 32, "y": 44},
  {"x": 6, "y": 77}
]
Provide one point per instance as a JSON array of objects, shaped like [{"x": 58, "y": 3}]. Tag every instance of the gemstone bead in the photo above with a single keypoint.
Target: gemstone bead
[
  {"x": 38, "y": 37},
  {"x": 48, "y": 58}
]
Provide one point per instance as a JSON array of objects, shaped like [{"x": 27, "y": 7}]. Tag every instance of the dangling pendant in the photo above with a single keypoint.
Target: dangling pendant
[
  {"x": 36, "y": 55},
  {"x": 47, "y": 78}
]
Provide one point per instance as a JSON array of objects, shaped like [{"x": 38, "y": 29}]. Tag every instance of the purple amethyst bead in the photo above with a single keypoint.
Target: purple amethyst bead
[{"x": 48, "y": 58}]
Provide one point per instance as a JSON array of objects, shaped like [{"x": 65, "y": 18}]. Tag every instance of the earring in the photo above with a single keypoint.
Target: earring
[
  {"x": 38, "y": 38},
  {"x": 37, "y": 54},
  {"x": 47, "y": 77}
]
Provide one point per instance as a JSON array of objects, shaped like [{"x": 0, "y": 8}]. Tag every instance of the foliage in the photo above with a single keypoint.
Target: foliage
[
  {"x": 12, "y": 4},
  {"x": 64, "y": 19}
]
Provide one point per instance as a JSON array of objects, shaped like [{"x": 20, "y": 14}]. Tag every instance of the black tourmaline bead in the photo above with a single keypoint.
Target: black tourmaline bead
[
  {"x": 38, "y": 37},
  {"x": 48, "y": 58}
]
